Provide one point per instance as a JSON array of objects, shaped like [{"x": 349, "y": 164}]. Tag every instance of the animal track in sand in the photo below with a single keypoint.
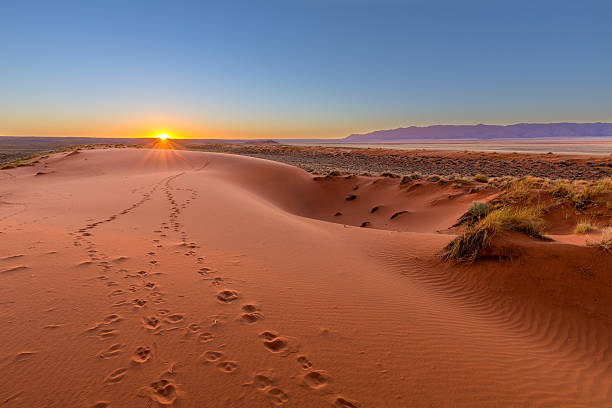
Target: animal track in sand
[
  {"x": 251, "y": 313},
  {"x": 277, "y": 344},
  {"x": 150, "y": 285},
  {"x": 112, "y": 318},
  {"x": 142, "y": 355},
  {"x": 174, "y": 318},
  {"x": 193, "y": 328},
  {"x": 115, "y": 376},
  {"x": 112, "y": 351},
  {"x": 107, "y": 333},
  {"x": 227, "y": 296},
  {"x": 139, "y": 303},
  {"x": 263, "y": 380},
  {"x": 211, "y": 356},
  {"x": 228, "y": 366},
  {"x": 304, "y": 362},
  {"x": 151, "y": 323},
  {"x": 277, "y": 396},
  {"x": 316, "y": 380},
  {"x": 205, "y": 337},
  {"x": 100, "y": 404},
  {"x": 164, "y": 392},
  {"x": 341, "y": 402}
]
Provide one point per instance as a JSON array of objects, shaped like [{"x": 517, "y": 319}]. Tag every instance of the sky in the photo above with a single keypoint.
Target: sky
[{"x": 298, "y": 69}]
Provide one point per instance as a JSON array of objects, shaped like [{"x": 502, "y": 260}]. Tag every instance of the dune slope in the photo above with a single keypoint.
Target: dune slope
[{"x": 142, "y": 278}]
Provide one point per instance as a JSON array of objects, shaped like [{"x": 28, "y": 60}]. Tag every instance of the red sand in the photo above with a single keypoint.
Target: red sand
[{"x": 142, "y": 278}]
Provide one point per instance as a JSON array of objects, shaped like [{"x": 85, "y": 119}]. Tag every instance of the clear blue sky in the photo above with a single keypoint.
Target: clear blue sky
[{"x": 298, "y": 68}]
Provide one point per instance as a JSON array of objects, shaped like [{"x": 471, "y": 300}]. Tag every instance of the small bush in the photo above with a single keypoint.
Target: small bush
[
  {"x": 481, "y": 178},
  {"x": 475, "y": 211},
  {"x": 526, "y": 220},
  {"x": 468, "y": 246},
  {"x": 605, "y": 242},
  {"x": 561, "y": 190},
  {"x": 389, "y": 174},
  {"x": 583, "y": 198},
  {"x": 584, "y": 227}
]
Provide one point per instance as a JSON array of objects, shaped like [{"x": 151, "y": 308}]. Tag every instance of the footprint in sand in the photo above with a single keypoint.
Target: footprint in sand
[
  {"x": 277, "y": 344},
  {"x": 228, "y": 366},
  {"x": 142, "y": 355},
  {"x": 304, "y": 362},
  {"x": 263, "y": 380},
  {"x": 164, "y": 392},
  {"x": 341, "y": 402},
  {"x": 112, "y": 351},
  {"x": 150, "y": 285},
  {"x": 211, "y": 356},
  {"x": 251, "y": 313},
  {"x": 151, "y": 323},
  {"x": 316, "y": 380},
  {"x": 205, "y": 337},
  {"x": 107, "y": 333},
  {"x": 227, "y": 296},
  {"x": 112, "y": 318},
  {"x": 174, "y": 318},
  {"x": 139, "y": 303},
  {"x": 115, "y": 376},
  {"x": 277, "y": 396}
]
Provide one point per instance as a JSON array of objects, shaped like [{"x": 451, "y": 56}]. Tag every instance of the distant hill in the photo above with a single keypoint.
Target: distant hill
[{"x": 518, "y": 131}]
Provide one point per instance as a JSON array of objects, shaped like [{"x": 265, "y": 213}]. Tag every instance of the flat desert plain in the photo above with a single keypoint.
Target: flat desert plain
[{"x": 148, "y": 278}]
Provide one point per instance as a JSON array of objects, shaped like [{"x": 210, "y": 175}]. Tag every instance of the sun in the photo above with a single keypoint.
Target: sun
[{"x": 163, "y": 136}]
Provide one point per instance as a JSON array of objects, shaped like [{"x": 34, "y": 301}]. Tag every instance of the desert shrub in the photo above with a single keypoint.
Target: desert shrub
[
  {"x": 476, "y": 238},
  {"x": 521, "y": 188},
  {"x": 433, "y": 178},
  {"x": 389, "y": 174},
  {"x": 526, "y": 220},
  {"x": 468, "y": 246},
  {"x": 584, "y": 227},
  {"x": 603, "y": 186},
  {"x": 583, "y": 198},
  {"x": 334, "y": 173},
  {"x": 561, "y": 190},
  {"x": 481, "y": 178},
  {"x": 604, "y": 242},
  {"x": 475, "y": 211}
]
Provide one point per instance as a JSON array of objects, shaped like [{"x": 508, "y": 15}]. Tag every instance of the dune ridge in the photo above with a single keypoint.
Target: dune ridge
[{"x": 175, "y": 278}]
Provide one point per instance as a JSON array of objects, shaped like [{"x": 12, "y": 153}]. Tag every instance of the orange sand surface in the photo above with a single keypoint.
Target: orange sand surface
[{"x": 147, "y": 278}]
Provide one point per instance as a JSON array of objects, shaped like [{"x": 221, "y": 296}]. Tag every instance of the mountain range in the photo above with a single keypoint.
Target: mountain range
[{"x": 478, "y": 132}]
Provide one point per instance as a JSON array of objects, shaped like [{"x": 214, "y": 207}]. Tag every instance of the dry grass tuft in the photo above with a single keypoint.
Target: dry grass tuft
[
  {"x": 604, "y": 242},
  {"x": 476, "y": 238},
  {"x": 584, "y": 227}
]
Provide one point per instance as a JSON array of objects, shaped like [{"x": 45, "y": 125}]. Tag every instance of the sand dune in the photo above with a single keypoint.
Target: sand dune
[{"x": 142, "y": 278}]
